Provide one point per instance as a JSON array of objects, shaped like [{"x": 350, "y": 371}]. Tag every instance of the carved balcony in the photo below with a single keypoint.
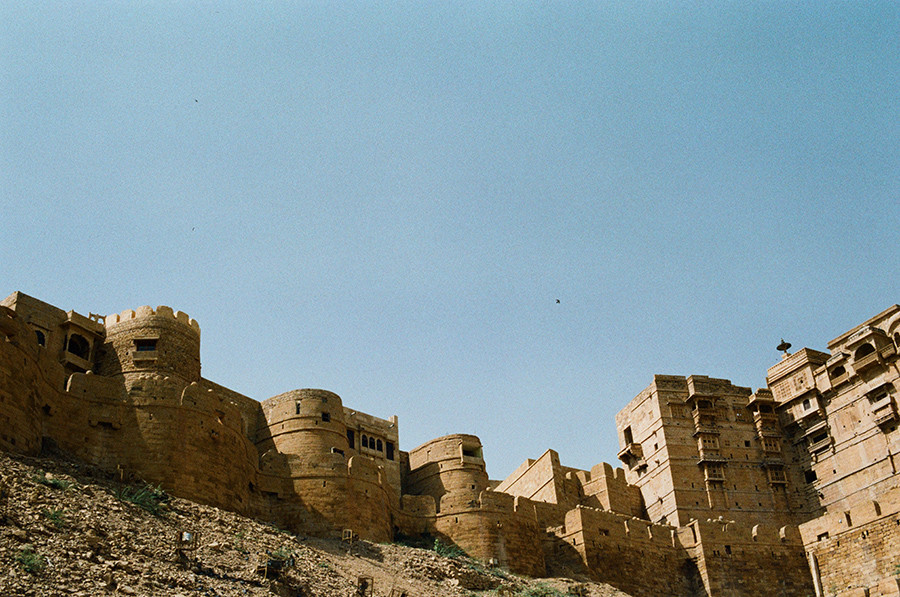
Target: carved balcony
[
  {"x": 632, "y": 455},
  {"x": 710, "y": 455},
  {"x": 820, "y": 446},
  {"x": 868, "y": 361}
]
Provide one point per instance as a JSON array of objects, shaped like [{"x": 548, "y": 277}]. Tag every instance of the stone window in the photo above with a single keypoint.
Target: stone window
[
  {"x": 838, "y": 371},
  {"x": 810, "y": 476},
  {"x": 389, "y": 450},
  {"x": 351, "y": 439},
  {"x": 326, "y": 417},
  {"x": 863, "y": 350},
  {"x": 365, "y": 441},
  {"x": 379, "y": 446},
  {"x": 145, "y": 344},
  {"x": 79, "y": 346},
  {"x": 41, "y": 338},
  {"x": 471, "y": 452},
  {"x": 806, "y": 404},
  {"x": 629, "y": 437},
  {"x": 715, "y": 472}
]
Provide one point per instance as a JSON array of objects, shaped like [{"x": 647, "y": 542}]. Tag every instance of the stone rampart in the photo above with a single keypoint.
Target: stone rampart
[
  {"x": 447, "y": 464},
  {"x": 158, "y": 340},
  {"x": 856, "y": 551},
  {"x": 22, "y": 386},
  {"x": 737, "y": 559},
  {"x": 494, "y": 527},
  {"x": 635, "y": 556}
]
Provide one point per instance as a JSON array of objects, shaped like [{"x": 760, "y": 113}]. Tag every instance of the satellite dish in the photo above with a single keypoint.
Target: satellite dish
[{"x": 784, "y": 346}]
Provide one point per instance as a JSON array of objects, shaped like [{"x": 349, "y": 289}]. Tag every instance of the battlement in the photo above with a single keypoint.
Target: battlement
[
  {"x": 837, "y": 523},
  {"x": 145, "y": 311}
]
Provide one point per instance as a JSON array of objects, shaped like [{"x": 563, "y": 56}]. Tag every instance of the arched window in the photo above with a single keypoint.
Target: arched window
[
  {"x": 365, "y": 442},
  {"x": 380, "y": 448},
  {"x": 41, "y": 339},
  {"x": 838, "y": 371},
  {"x": 863, "y": 351},
  {"x": 79, "y": 346}
]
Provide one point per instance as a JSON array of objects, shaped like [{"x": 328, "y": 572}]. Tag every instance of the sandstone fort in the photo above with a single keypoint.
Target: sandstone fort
[{"x": 789, "y": 490}]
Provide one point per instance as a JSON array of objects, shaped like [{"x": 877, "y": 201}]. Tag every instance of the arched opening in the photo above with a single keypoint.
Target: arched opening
[
  {"x": 79, "y": 346},
  {"x": 863, "y": 350},
  {"x": 838, "y": 371},
  {"x": 378, "y": 446},
  {"x": 365, "y": 441},
  {"x": 41, "y": 338}
]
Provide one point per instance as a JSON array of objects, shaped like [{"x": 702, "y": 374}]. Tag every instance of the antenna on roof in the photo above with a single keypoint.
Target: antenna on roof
[{"x": 783, "y": 347}]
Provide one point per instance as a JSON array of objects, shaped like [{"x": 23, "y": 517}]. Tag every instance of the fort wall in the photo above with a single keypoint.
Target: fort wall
[
  {"x": 445, "y": 465},
  {"x": 22, "y": 386},
  {"x": 856, "y": 550},
  {"x": 493, "y": 526},
  {"x": 635, "y": 556},
  {"x": 125, "y": 392}
]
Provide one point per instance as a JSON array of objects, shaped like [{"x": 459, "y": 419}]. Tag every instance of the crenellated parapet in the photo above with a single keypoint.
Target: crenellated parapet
[
  {"x": 446, "y": 465},
  {"x": 158, "y": 340},
  {"x": 132, "y": 315}
]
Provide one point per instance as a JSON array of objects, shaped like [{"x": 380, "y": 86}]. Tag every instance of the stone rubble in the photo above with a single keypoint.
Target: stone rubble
[{"x": 64, "y": 519}]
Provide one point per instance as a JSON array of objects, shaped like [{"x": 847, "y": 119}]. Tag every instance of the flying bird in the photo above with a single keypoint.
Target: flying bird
[{"x": 557, "y": 301}]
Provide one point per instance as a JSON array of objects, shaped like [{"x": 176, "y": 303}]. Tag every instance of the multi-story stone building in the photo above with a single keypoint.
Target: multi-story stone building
[{"x": 717, "y": 478}]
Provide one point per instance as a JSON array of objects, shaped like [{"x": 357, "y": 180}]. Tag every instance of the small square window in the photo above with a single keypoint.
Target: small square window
[
  {"x": 145, "y": 344},
  {"x": 326, "y": 417}
]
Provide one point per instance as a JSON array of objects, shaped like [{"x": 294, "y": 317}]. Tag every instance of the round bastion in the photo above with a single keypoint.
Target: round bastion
[{"x": 152, "y": 340}]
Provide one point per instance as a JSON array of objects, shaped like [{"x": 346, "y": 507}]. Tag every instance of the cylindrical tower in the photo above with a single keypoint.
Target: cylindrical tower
[
  {"x": 449, "y": 464},
  {"x": 177, "y": 429},
  {"x": 147, "y": 340},
  {"x": 306, "y": 422},
  {"x": 305, "y": 445}
]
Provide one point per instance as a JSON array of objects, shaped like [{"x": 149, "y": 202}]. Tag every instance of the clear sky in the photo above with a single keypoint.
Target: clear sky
[{"x": 386, "y": 200}]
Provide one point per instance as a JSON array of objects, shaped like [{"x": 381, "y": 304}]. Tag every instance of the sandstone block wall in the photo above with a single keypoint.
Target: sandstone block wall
[
  {"x": 22, "y": 386},
  {"x": 635, "y": 556},
  {"x": 126, "y": 393},
  {"x": 495, "y": 527},
  {"x": 736, "y": 560},
  {"x": 857, "y": 549},
  {"x": 445, "y": 465}
]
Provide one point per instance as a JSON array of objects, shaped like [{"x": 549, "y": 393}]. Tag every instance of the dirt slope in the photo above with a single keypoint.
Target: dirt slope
[{"x": 69, "y": 529}]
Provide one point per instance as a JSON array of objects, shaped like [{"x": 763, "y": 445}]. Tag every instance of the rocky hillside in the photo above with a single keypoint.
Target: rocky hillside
[{"x": 70, "y": 529}]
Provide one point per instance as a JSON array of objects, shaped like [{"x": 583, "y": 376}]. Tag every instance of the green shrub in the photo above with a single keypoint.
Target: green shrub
[
  {"x": 448, "y": 550},
  {"x": 55, "y": 516},
  {"x": 51, "y": 482},
  {"x": 152, "y": 499},
  {"x": 282, "y": 553},
  {"x": 31, "y": 561}
]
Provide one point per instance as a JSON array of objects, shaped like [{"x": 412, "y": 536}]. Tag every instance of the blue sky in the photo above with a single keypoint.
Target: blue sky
[{"x": 386, "y": 199}]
